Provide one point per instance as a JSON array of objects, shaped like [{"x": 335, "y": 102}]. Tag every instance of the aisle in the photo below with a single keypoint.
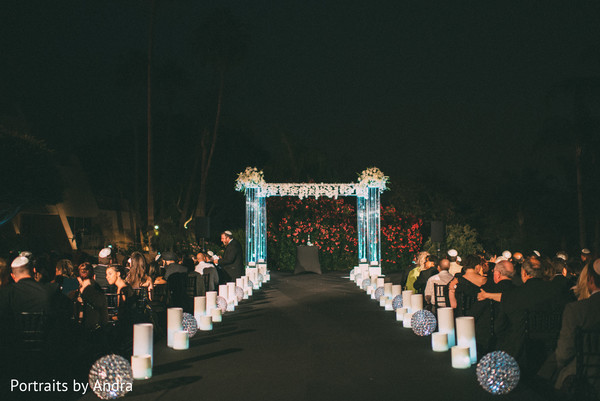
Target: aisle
[{"x": 309, "y": 337}]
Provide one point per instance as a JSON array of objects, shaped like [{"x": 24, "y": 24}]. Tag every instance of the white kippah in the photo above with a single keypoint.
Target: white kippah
[
  {"x": 26, "y": 254},
  {"x": 210, "y": 253},
  {"x": 562, "y": 256},
  {"x": 506, "y": 255},
  {"x": 105, "y": 253},
  {"x": 500, "y": 259},
  {"x": 229, "y": 233},
  {"x": 458, "y": 259},
  {"x": 452, "y": 253},
  {"x": 157, "y": 257},
  {"x": 585, "y": 251},
  {"x": 539, "y": 255},
  {"x": 19, "y": 261}
]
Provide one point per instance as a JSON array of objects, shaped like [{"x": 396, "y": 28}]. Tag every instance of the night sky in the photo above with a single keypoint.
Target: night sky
[{"x": 454, "y": 89}]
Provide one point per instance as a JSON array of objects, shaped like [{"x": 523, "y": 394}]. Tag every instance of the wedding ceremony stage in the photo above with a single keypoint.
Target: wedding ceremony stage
[{"x": 310, "y": 337}]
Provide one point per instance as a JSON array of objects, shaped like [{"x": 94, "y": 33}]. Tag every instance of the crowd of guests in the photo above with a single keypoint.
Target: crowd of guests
[
  {"x": 79, "y": 310},
  {"x": 529, "y": 306}
]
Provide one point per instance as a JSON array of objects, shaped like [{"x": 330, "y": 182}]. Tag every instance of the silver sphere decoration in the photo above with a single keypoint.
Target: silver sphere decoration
[
  {"x": 239, "y": 293},
  {"x": 111, "y": 377},
  {"x": 498, "y": 372},
  {"x": 379, "y": 291},
  {"x": 189, "y": 324},
  {"x": 397, "y": 302},
  {"x": 358, "y": 278},
  {"x": 423, "y": 322},
  {"x": 250, "y": 284},
  {"x": 260, "y": 278},
  {"x": 222, "y": 304},
  {"x": 366, "y": 283}
]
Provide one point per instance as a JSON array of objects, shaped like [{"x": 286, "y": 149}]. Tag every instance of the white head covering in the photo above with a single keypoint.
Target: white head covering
[
  {"x": 26, "y": 254},
  {"x": 586, "y": 251},
  {"x": 105, "y": 253},
  {"x": 452, "y": 253},
  {"x": 562, "y": 256},
  {"x": 506, "y": 255},
  {"x": 19, "y": 261}
]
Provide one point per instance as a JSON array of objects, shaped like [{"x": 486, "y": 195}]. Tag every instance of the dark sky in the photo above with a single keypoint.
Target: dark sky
[{"x": 404, "y": 85}]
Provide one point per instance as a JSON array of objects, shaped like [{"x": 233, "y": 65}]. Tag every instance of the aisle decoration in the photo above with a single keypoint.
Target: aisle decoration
[
  {"x": 498, "y": 373},
  {"x": 423, "y": 322},
  {"x": 111, "y": 377}
]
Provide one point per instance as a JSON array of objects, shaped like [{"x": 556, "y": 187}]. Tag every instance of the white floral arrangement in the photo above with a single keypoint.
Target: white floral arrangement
[
  {"x": 373, "y": 177},
  {"x": 250, "y": 178}
]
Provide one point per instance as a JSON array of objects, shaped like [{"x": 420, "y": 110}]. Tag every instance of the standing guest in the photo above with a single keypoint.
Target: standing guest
[
  {"x": 64, "y": 276},
  {"x": 232, "y": 262},
  {"x": 105, "y": 258},
  {"x": 5, "y": 278},
  {"x": 442, "y": 278},
  {"x": 413, "y": 274}
]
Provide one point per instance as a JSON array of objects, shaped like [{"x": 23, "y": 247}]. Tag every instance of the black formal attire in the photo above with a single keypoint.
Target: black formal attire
[
  {"x": 100, "y": 275},
  {"x": 421, "y": 281},
  {"x": 232, "y": 262},
  {"x": 466, "y": 295},
  {"x": 534, "y": 296},
  {"x": 583, "y": 314},
  {"x": 174, "y": 268},
  {"x": 27, "y": 295}
]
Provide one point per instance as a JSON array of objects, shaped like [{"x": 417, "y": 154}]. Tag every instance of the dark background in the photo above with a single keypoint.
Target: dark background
[{"x": 474, "y": 109}]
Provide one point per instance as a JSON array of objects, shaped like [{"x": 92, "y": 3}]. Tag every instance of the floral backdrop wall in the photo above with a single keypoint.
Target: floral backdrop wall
[{"x": 331, "y": 225}]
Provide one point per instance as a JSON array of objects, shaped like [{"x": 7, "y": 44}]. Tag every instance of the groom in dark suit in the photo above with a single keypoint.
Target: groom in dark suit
[{"x": 232, "y": 262}]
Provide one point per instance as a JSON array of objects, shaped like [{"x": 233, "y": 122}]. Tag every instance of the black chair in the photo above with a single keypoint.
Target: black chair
[
  {"x": 542, "y": 328},
  {"x": 441, "y": 296},
  {"x": 112, "y": 305},
  {"x": 190, "y": 286},
  {"x": 159, "y": 293},
  {"x": 206, "y": 279},
  {"x": 587, "y": 352},
  {"x": 31, "y": 329},
  {"x": 465, "y": 301}
]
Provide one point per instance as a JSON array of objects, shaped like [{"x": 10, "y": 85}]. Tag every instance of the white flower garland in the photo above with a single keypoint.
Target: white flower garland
[
  {"x": 250, "y": 178},
  {"x": 373, "y": 177}
]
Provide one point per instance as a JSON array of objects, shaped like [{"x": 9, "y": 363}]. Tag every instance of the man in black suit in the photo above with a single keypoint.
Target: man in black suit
[{"x": 232, "y": 262}]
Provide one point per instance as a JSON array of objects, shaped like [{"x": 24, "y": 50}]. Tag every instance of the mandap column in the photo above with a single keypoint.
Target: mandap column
[
  {"x": 361, "y": 226},
  {"x": 252, "y": 224},
  {"x": 262, "y": 229},
  {"x": 373, "y": 211}
]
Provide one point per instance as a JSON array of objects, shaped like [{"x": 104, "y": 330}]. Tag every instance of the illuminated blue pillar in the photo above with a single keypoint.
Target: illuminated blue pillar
[
  {"x": 252, "y": 223},
  {"x": 262, "y": 228},
  {"x": 361, "y": 226},
  {"x": 373, "y": 211}
]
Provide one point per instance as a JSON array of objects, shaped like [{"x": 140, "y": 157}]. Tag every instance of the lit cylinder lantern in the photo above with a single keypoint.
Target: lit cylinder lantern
[
  {"x": 141, "y": 366},
  {"x": 446, "y": 324},
  {"x": 389, "y": 304},
  {"x": 387, "y": 289},
  {"x": 406, "y": 320},
  {"x": 223, "y": 290},
  {"x": 174, "y": 324},
  {"x": 400, "y": 312},
  {"x": 460, "y": 357},
  {"x": 205, "y": 323},
  {"x": 143, "y": 340},
  {"x": 380, "y": 281},
  {"x": 465, "y": 335},
  {"x": 181, "y": 340},
  {"x": 396, "y": 290},
  {"x": 217, "y": 315},
  {"x": 199, "y": 307}
]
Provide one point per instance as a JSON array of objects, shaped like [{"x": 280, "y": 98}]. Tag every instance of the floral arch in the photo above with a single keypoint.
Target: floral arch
[{"x": 371, "y": 183}]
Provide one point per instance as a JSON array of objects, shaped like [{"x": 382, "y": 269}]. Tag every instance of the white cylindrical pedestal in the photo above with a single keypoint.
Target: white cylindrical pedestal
[
  {"x": 400, "y": 314},
  {"x": 406, "y": 295},
  {"x": 396, "y": 290},
  {"x": 380, "y": 281},
  {"x": 206, "y": 322},
  {"x": 387, "y": 289},
  {"x": 199, "y": 308},
  {"x": 406, "y": 320},
  {"x": 223, "y": 291},
  {"x": 211, "y": 301},
  {"x": 416, "y": 302},
  {"x": 141, "y": 366},
  {"x": 389, "y": 304},
  {"x": 465, "y": 335},
  {"x": 143, "y": 339},
  {"x": 230, "y": 292},
  {"x": 439, "y": 342},
  {"x": 446, "y": 324},
  {"x": 174, "y": 324},
  {"x": 216, "y": 315},
  {"x": 460, "y": 357}
]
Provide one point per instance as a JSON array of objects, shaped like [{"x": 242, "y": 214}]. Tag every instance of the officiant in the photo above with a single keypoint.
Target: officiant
[{"x": 232, "y": 263}]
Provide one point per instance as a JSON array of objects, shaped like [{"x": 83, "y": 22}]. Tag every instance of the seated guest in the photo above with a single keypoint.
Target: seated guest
[
  {"x": 557, "y": 274},
  {"x": 534, "y": 296},
  {"x": 430, "y": 268},
  {"x": 455, "y": 266},
  {"x": 442, "y": 278},
  {"x": 465, "y": 287},
  {"x": 105, "y": 258},
  {"x": 91, "y": 308},
  {"x": 155, "y": 273},
  {"x": 138, "y": 277},
  {"x": 171, "y": 265},
  {"x": 205, "y": 267},
  {"x": 125, "y": 294},
  {"x": 581, "y": 314},
  {"x": 581, "y": 288},
  {"x": 64, "y": 276}
]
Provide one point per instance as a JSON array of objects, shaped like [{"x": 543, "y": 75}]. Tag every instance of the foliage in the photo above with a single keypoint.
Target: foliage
[
  {"x": 461, "y": 237},
  {"x": 331, "y": 224}
]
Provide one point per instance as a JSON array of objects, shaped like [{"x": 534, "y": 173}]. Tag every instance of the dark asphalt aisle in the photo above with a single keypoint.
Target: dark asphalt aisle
[{"x": 310, "y": 337}]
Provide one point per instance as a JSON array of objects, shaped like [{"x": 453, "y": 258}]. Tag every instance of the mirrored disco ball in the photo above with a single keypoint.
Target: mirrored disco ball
[
  {"x": 189, "y": 324},
  {"x": 423, "y": 322},
  {"x": 358, "y": 278},
  {"x": 397, "y": 302},
  {"x": 239, "y": 293},
  {"x": 111, "y": 377},
  {"x": 365, "y": 283},
  {"x": 250, "y": 284},
  {"x": 222, "y": 304},
  {"x": 498, "y": 372},
  {"x": 379, "y": 293},
  {"x": 260, "y": 278},
  {"x": 352, "y": 271}
]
